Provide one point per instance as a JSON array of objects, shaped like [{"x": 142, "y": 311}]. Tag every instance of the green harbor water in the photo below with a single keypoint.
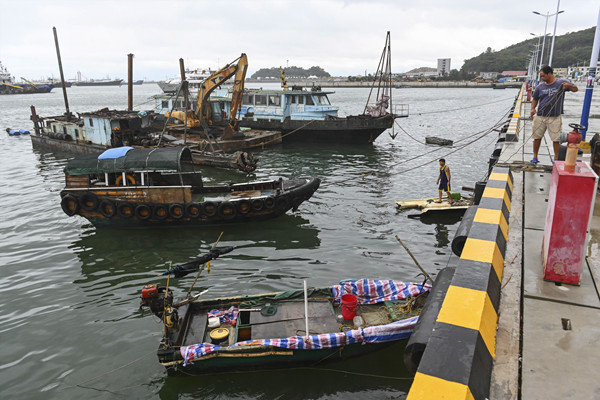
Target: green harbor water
[{"x": 70, "y": 327}]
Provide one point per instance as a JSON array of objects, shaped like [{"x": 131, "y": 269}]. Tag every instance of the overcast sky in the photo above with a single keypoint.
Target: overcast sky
[{"x": 343, "y": 37}]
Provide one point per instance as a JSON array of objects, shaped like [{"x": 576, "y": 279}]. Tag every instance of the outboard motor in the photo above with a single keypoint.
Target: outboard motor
[{"x": 153, "y": 297}]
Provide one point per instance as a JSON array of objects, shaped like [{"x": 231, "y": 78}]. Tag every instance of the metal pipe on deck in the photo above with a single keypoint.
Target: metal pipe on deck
[{"x": 62, "y": 76}]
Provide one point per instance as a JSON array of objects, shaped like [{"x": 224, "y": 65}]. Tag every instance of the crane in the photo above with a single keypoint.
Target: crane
[{"x": 31, "y": 83}]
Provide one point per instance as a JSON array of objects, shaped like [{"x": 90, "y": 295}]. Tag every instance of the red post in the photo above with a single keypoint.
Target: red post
[{"x": 570, "y": 207}]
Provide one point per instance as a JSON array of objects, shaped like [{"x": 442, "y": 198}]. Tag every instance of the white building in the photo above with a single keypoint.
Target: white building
[{"x": 443, "y": 66}]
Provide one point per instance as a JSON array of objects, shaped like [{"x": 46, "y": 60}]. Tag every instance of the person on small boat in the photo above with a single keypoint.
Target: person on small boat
[{"x": 443, "y": 181}]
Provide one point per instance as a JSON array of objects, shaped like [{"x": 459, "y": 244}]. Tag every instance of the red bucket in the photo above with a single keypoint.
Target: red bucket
[{"x": 349, "y": 305}]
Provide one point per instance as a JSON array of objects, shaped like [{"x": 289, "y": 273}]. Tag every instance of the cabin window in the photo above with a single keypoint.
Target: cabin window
[
  {"x": 91, "y": 122},
  {"x": 309, "y": 101},
  {"x": 54, "y": 128},
  {"x": 260, "y": 100},
  {"x": 165, "y": 104},
  {"x": 323, "y": 100},
  {"x": 65, "y": 130},
  {"x": 300, "y": 99},
  {"x": 274, "y": 100},
  {"x": 293, "y": 99},
  {"x": 248, "y": 99},
  {"x": 76, "y": 133}
]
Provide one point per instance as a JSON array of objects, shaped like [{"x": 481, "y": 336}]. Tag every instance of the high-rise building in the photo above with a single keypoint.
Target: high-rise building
[{"x": 443, "y": 67}]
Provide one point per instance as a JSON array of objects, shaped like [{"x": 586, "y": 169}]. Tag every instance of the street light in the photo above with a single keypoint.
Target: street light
[{"x": 548, "y": 15}]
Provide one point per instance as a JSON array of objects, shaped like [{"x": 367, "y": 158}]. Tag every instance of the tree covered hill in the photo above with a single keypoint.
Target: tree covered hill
[
  {"x": 290, "y": 72},
  {"x": 569, "y": 49}
]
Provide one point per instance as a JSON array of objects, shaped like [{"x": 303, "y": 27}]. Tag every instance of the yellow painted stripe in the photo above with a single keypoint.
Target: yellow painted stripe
[
  {"x": 488, "y": 216},
  {"x": 504, "y": 177},
  {"x": 497, "y": 194},
  {"x": 471, "y": 309},
  {"x": 484, "y": 251},
  {"x": 431, "y": 387}
]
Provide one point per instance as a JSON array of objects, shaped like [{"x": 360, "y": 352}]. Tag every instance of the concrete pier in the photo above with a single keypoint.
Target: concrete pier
[
  {"x": 508, "y": 333},
  {"x": 548, "y": 333}
]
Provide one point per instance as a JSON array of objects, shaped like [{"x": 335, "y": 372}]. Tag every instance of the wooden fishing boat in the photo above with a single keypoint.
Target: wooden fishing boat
[
  {"x": 161, "y": 186},
  {"x": 431, "y": 205},
  {"x": 291, "y": 328}
]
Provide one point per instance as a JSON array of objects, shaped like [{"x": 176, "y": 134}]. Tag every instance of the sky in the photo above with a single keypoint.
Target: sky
[{"x": 343, "y": 37}]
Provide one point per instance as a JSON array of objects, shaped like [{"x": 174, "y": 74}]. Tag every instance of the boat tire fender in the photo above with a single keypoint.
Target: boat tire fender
[
  {"x": 125, "y": 209},
  {"x": 107, "y": 208},
  {"x": 89, "y": 201},
  {"x": 209, "y": 208},
  {"x": 283, "y": 203},
  {"x": 244, "y": 206},
  {"x": 160, "y": 211},
  {"x": 176, "y": 211},
  {"x": 143, "y": 212},
  {"x": 70, "y": 205},
  {"x": 257, "y": 204},
  {"x": 227, "y": 210},
  {"x": 269, "y": 202},
  {"x": 193, "y": 210}
]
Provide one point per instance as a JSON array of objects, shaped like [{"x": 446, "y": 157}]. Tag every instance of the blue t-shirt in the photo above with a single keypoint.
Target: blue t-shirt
[{"x": 550, "y": 104}]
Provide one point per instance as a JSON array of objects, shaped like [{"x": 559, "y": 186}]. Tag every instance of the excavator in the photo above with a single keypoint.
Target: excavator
[{"x": 202, "y": 117}]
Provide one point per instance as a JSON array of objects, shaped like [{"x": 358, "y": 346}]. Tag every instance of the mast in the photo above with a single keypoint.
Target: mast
[
  {"x": 62, "y": 76},
  {"x": 130, "y": 82}
]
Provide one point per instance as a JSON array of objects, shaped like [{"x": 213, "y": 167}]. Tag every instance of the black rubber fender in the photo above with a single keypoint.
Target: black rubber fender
[
  {"x": 160, "y": 211},
  {"x": 243, "y": 206},
  {"x": 269, "y": 202},
  {"x": 282, "y": 203},
  {"x": 176, "y": 211},
  {"x": 423, "y": 329},
  {"x": 257, "y": 204},
  {"x": 125, "y": 209},
  {"x": 209, "y": 208},
  {"x": 89, "y": 202},
  {"x": 193, "y": 210},
  {"x": 107, "y": 208},
  {"x": 143, "y": 212},
  {"x": 69, "y": 204},
  {"x": 227, "y": 210}
]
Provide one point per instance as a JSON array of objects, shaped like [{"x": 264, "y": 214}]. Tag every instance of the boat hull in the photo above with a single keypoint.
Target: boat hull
[
  {"x": 361, "y": 129},
  {"x": 133, "y": 207}
]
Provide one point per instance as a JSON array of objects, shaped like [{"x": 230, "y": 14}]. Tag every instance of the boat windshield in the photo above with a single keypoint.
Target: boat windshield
[{"x": 322, "y": 100}]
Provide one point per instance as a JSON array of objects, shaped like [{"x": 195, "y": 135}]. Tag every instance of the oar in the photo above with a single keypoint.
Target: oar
[
  {"x": 200, "y": 271},
  {"x": 415, "y": 260}
]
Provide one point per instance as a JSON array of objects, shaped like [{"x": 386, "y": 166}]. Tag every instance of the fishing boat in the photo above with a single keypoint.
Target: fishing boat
[
  {"x": 129, "y": 187},
  {"x": 283, "y": 329}
]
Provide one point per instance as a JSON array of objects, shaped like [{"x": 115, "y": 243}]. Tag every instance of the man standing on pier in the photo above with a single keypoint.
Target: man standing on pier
[
  {"x": 550, "y": 97},
  {"x": 444, "y": 181}
]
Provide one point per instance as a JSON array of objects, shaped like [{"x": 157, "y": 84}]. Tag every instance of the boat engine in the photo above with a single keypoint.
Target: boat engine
[{"x": 153, "y": 297}]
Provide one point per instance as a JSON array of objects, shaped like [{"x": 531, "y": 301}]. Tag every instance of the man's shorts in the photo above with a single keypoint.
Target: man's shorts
[
  {"x": 553, "y": 124},
  {"x": 445, "y": 186}
]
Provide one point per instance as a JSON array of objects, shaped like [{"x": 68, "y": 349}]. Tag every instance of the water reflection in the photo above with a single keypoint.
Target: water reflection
[{"x": 380, "y": 374}]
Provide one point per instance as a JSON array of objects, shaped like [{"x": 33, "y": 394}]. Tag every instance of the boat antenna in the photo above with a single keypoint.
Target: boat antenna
[
  {"x": 415, "y": 260},
  {"x": 62, "y": 76},
  {"x": 383, "y": 76}
]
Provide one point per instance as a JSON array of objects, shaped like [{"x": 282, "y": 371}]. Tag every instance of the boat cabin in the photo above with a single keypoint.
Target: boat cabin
[
  {"x": 277, "y": 105},
  {"x": 116, "y": 128}
]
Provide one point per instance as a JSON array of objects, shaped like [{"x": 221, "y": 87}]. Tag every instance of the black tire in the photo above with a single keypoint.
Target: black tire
[
  {"x": 227, "y": 210},
  {"x": 282, "y": 203},
  {"x": 193, "y": 210},
  {"x": 125, "y": 209},
  {"x": 89, "y": 202},
  {"x": 160, "y": 211},
  {"x": 244, "y": 206},
  {"x": 209, "y": 208},
  {"x": 269, "y": 202},
  {"x": 108, "y": 208},
  {"x": 257, "y": 204},
  {"x": 70, "y": 205},
  {"x": 176, "y": 211},
  {"x": 143, "y": 212}
]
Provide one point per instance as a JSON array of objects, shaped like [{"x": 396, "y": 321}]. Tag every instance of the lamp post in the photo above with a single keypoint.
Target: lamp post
[
  {"x": 537, "y": 48},
  {"x": 554, "y": 33},
  {"x": 547, "y": 15}
]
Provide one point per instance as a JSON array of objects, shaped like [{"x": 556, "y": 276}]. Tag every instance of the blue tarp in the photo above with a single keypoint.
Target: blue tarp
[{"x": 114, "y": 153}]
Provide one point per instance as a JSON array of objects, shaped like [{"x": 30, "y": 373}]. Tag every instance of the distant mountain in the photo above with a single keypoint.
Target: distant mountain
[
  {"x": 291, "y": 72},
  {"x": 569, "y": 49},
  {"x": 422, "y": 70}
]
